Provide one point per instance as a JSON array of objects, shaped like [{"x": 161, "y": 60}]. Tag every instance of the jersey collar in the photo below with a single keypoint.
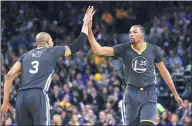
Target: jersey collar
[
  {"x": 40, "y": 47},
  {"x": 140, "y": 52}
]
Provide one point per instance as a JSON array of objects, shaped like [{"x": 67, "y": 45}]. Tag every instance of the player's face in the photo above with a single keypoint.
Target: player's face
[{"x": 135, "y": 35}]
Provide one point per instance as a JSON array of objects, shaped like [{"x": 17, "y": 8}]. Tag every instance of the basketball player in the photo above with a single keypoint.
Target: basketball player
[
  {"x": 36, "y": 68},
  {"x": 140, "y": 58}
]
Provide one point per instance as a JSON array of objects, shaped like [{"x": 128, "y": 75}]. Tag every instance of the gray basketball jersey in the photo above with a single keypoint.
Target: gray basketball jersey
[
  {"x": 38, "y": 65},
  {"x": 139, "y": 68}
]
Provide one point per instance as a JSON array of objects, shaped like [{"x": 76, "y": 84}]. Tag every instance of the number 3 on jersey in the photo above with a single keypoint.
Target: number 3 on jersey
[{"x": 35, "y": 65}]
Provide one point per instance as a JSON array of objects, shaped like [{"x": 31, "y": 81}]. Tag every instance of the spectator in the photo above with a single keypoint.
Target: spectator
[
  {"x": 64, "y": 118},
  {"x": 74, "y": 120},
  {"x": 102, "y": 119},
  {"x": 174, "y": 61},
  {"x": 109, "y": 108},
  {"x": 9, "y": 122},
  {"x": 164, "y": 119},
  {"x": 175, "y": 120},
  {"x": 158, "y": 120},
  {"x": 187, "y": 120},
  {"x": 96, "y": 99},
  {"x": 110, "y": 120},
  {"x": 57, "y": 120}
]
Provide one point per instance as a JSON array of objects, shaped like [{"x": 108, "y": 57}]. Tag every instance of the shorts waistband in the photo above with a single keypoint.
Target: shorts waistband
[
  {"x": 27, "y": 89},
  {"x": 141, "y": 88}
]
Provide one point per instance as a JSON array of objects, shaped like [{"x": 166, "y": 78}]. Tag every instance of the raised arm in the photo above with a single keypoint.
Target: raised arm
[
  {"x": 97, "y": 48},
  {"x": 80, "y": 41}
]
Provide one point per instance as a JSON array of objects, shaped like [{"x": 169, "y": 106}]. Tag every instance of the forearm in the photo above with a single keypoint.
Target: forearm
[
  {"x": 80, "y": 41},
  {"x": 94, "y": 44},
  {"x": 7, "y": 88},
  {"x": 8, "y": 85},
  {"x": 168, "y": 80},
  {"x": 85, "y": 28}
]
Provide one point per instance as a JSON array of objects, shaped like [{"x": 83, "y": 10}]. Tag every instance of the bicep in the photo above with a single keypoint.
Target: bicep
[
  {"x": 161, "y": 66},
  {"x": 67, "y": 51},
  {"x": 159, "y": 57},
  {"x": 106, "y": 51},
  {"x": 58, "y": 51},
  {"x": 15, "y": 70}
]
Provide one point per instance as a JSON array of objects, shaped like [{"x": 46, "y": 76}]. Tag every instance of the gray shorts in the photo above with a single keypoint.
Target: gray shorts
[
  {"x": 139, "y": 104},
  {"x": 32, "y": 107}
]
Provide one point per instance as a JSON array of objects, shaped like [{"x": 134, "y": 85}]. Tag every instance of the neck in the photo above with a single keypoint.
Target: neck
[
  {"x": 102, "y": 120},
  {"x": 139, "y": 46},
  {"x": 174, "y": 123},
  {"x": 41, "y": 46}
]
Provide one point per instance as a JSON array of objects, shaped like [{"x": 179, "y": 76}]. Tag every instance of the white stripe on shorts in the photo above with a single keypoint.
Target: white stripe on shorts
[{"x": 47, "y": 107}]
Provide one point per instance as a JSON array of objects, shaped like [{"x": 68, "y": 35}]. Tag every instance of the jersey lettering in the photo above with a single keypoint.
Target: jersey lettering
[
  {"x": 140, "y": 64},
  {"x": 35, "y": 65}
]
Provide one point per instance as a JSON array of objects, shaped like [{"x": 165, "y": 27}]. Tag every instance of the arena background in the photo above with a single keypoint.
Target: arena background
[{"x": 88, "y": 89}]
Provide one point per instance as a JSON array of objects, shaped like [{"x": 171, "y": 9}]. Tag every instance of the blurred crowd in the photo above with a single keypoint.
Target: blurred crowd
[{"x": 87, "y": 89}]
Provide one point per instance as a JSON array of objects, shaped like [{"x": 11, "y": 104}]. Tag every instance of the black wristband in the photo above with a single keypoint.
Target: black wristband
[{"x": 79, "y": 43}]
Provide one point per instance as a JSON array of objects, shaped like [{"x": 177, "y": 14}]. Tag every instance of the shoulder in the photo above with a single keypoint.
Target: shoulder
[
  {"x": 122, "y": 46},
  {"x": 25, "y": 54},
  {"x": 152, "y": 47}
]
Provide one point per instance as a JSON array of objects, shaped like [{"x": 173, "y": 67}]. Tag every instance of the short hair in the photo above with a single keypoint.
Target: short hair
[{"x": 141, "y": 28}]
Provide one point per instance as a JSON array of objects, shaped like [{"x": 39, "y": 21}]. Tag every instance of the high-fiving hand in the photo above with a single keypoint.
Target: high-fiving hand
[{"x": 88, "y": 15}]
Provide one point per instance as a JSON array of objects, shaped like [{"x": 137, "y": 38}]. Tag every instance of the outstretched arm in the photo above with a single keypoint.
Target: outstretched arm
[
  {"x": 80, "y": 41},
  {"x": 97, "y": 48}
]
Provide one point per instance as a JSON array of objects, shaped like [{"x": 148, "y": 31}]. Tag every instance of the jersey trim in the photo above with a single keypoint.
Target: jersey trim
[
  {"x": 139, "y": 52},
  {"x": 39, "y": 47},
  {"x": 148, "y": 121},
  {"x": 47, "y": 107},
  {"x": 123, "y": 109},
  {"x": 48, "y": 82},
  {"x": 155, "y": 80}
]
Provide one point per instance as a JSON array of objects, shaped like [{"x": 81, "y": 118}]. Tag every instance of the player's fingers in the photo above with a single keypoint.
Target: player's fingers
[
  {"x": 87, "y": 10},
  {"x": 90, "y": 10},
  {"x": 4, "y": 115},
  {"x": 1, "y": 114},
  {"x": 93, "y": 13},
  {"x": 180, "y": 107},
  {"x": 11, "y": 109},
  {"x": 3, "y": 110}
]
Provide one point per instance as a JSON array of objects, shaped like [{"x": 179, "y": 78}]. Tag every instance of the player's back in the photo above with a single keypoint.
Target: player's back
[{"x": 38, "y": 66}]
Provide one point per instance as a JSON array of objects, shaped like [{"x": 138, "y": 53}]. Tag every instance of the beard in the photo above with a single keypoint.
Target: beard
[{"x": 132, "y": 41}]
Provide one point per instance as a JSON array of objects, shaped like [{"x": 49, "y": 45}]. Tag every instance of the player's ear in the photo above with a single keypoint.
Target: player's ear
[
  {"x": 47, "y": 42},
  {"x": 142, "y": 34}
]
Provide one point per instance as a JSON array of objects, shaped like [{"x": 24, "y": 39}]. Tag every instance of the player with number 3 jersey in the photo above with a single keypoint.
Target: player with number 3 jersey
[{"x": 36, "y": 68}]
